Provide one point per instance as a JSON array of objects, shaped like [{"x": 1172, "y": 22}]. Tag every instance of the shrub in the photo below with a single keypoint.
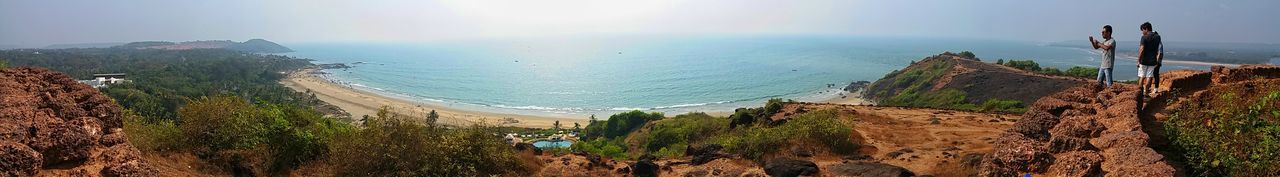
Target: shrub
[
  {"x": 1027, "y": 65},
  {"x": 620, "y": 124},
  {"x": 153, "y": 136},
  {"x": 392, "y": 145},
  {"x": 1051, "y": 71},
  {"x": 613, "y": 148},
  {"x": 670, "y": 137},
  {"x": 213, "y": 124},
  {"x": 968, "y": 54},
  {"x": 227, "y": 127},
  {"x": 822, "y": 128},
  {"x": 1230, "y": 135},
  {"x": 1082, "y": 72},
  {"x": 1002, "y": 105}
]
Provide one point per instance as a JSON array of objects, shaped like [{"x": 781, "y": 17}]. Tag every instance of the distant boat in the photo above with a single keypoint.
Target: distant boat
[{"x": 517, "y": 61}]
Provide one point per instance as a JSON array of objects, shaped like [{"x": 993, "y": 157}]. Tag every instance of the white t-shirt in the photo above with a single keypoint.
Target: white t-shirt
[{"x": 1109, "y": 55}]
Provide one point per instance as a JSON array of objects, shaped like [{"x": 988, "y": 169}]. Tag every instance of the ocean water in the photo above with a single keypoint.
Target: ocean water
[{"x": 578, "y": 77}]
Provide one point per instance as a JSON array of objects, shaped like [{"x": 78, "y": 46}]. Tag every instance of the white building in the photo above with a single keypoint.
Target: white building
[{"x": 102, "y": 80}]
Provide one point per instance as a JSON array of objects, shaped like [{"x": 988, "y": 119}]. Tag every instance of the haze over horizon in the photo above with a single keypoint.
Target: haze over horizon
[{"x": 31, "y": 23}]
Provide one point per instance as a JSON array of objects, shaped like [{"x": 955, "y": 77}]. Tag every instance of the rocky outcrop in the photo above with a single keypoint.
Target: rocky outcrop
[
  {"x": 790, "y": 167},
  {"x": 868, "y": 169},
  {"x": 704, "y": 153},
  {"x": 1222, "y": 75},
  {"x": 48, "y": 119},
  {"x": 1072, "y": 133}
]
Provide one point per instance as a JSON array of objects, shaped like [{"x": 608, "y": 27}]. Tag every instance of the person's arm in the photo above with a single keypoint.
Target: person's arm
[
  {"x": 1140, "y": 48},
  {"x": 1093, "y": 42},
  {"x": 1103, "y": 45},
  {"x": 1160, "y": 55}
]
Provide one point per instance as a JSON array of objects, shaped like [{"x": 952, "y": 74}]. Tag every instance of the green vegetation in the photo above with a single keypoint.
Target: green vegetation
[
  {"x": 394, "y": 145},
  {"x": 670, "y": 137},
  {"x": 620, "y": 124},
  {"x": 1032, "y": 66},
  {"x": 280, "y": 137},
  {"x": 228, "y": 108},
  {"x": 822, "y": 128},
  {"x": 1230, "y": 135},
  {"x": 968, "y": 54},
  {"x": 165, "y": 80},
  {"x": 606, "y": 137}
]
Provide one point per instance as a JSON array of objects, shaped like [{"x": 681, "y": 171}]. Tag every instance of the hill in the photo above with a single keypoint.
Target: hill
[
  {"x": 83, "y": 45},
  {"x": 252, "y": 45},
  {"x": 953, "y": 81}
]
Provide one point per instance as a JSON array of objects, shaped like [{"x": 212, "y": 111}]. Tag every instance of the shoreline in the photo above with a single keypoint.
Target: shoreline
[
  {"x": 849, "y": 98},
  {"x": 359, "y": 103}
]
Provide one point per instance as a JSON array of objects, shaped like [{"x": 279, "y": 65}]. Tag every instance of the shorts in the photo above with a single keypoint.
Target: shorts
[{"x": 1146, "y": 71}]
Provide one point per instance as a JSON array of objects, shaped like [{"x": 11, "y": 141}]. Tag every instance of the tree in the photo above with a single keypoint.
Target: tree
[
  {"x": 1000, "y": 61},
  {"x": 432, "y": 117},
  {"x": 968, "y": 54},
  {"x": 556, "y": 125},
  {"x": 577, "y": 127},
  {"x": 592, "y": 119}
]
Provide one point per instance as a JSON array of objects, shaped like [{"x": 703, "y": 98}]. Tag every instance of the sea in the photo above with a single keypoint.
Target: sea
[{"x": 601, "y": 76}]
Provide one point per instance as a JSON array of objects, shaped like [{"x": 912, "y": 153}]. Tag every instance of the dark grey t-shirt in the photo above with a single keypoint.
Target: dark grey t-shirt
[{"x": 1151, "y": 47}]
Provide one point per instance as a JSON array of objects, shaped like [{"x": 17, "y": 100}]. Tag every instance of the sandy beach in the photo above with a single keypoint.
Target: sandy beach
[
  {"x": 360, "y": 103},
  {"x": 849, "y": 98}
]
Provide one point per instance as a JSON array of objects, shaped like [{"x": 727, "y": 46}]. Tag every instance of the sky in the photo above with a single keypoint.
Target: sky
[{"x": 44, "y": 22}]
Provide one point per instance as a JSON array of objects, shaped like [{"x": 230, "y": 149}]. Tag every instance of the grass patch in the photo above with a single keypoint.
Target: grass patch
[
  {"x": 821, "y": 128},
  {"x": 1229, "y": 135}
]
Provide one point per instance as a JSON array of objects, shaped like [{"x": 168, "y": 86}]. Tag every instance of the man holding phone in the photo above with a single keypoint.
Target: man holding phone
[{"x": 1108, "y": 55}]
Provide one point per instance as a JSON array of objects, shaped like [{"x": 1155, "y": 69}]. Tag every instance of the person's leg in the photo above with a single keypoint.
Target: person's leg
[
  {"x": 1101, "y": 77},
  {"x": 1155, "y": 79},
  {"x": 1110, "y": 78}
]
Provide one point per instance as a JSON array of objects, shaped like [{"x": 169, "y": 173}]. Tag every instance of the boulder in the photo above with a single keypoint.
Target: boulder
[
  {"x": 645, "y": 167},
  {"x": 785, "y": 167},
  {"x": 868, "y": 169},
  {"x": 18, "y": 160},
  {"x": 703, "y": 153}
]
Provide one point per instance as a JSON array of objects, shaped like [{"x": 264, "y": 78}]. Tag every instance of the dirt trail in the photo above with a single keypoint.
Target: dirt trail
[{"x": 1095, "y": 131}]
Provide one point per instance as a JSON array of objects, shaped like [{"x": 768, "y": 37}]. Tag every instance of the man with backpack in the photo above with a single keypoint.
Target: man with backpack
[{"x": 1149, "y": 58}]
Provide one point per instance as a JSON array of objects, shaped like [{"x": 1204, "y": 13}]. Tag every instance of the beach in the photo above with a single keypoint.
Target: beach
[
  {"x": 849, "y": 98},
  {"x": 359, "y": 103}
]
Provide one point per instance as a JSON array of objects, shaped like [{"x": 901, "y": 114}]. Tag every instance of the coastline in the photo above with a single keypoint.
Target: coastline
[
  {"x": 359, "y": 103},
  {"x": 849, "y": 98}
]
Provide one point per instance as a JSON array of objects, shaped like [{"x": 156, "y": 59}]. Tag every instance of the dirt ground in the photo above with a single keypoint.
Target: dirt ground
[{"x": 933, "y": 148}]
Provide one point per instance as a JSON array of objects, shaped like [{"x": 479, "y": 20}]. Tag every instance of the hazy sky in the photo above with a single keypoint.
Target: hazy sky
[{"x": 43, "y": 22}]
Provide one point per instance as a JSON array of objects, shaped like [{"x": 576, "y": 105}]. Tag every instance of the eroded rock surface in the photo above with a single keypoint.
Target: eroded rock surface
[
  {"x": 1083, "y": 131},
  {"x": 50, "y": 124}
]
